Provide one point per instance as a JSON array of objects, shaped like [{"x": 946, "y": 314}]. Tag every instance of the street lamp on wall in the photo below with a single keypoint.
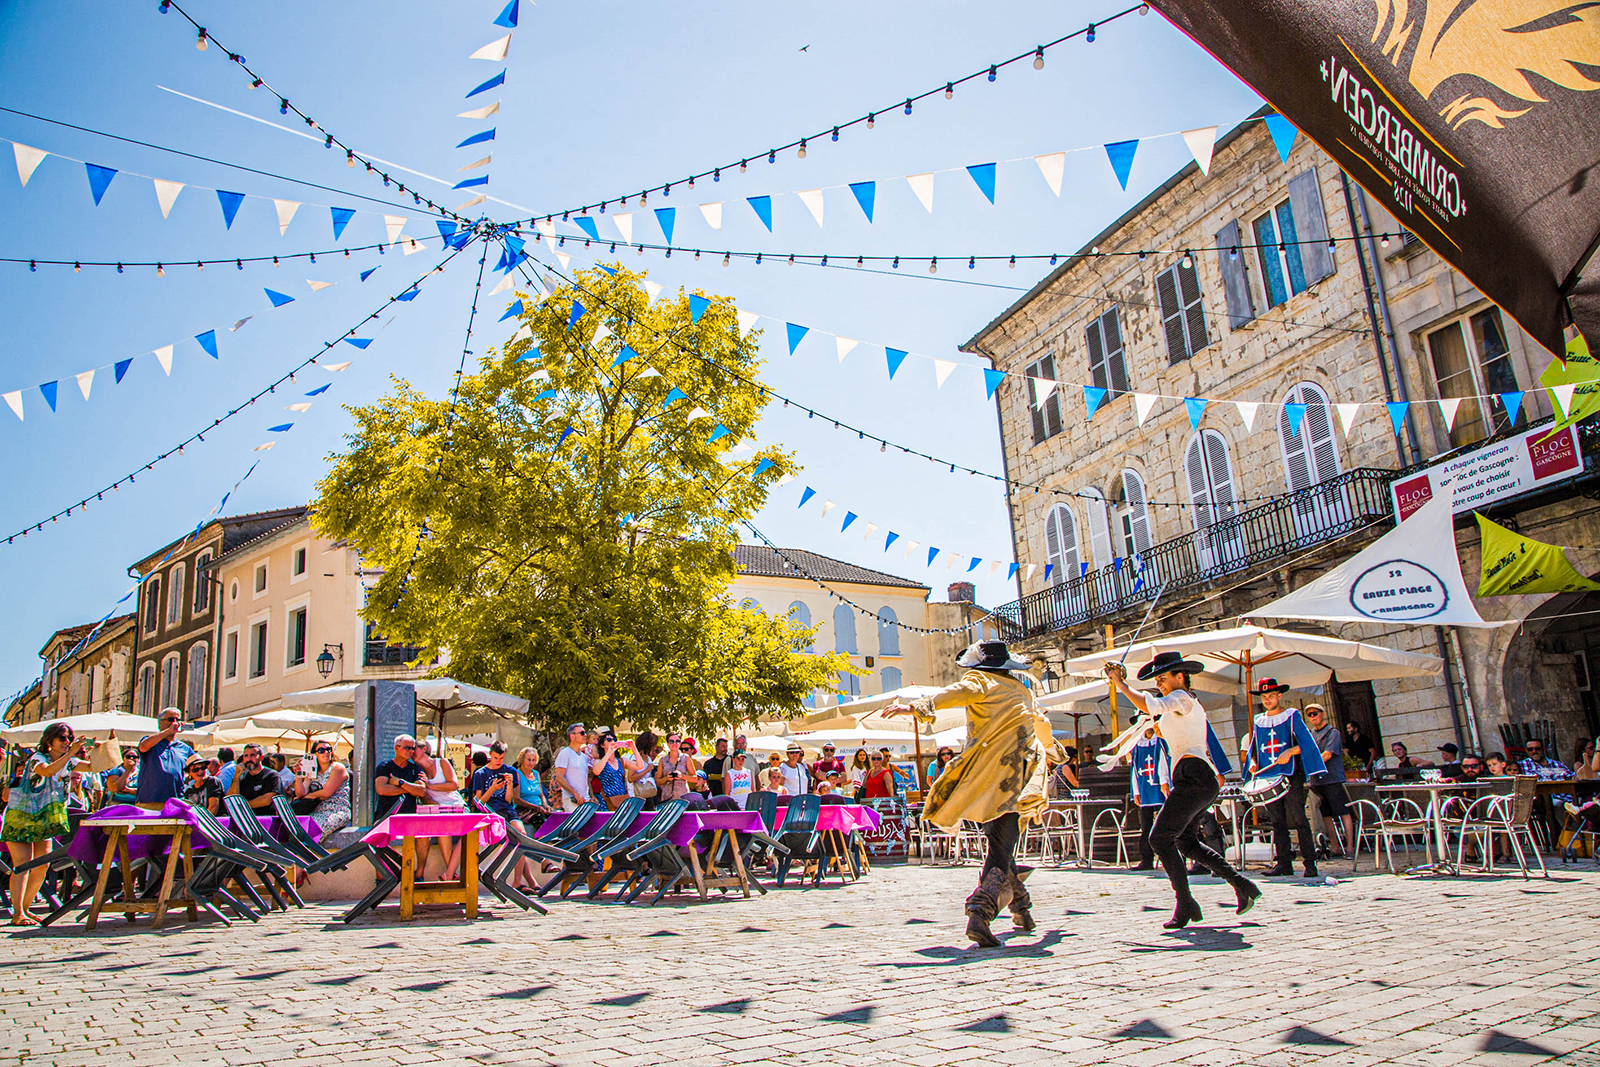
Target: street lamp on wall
[
  {"x": 1048, "y": 680},
  {"x": 326, "y": 660}
]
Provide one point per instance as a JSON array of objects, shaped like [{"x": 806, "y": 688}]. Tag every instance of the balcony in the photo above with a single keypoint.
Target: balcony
[{"x": 1286, "y": 527}]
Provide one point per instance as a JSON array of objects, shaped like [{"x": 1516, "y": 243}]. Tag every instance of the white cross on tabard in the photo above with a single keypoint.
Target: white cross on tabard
[
  {"x": 1150, "y": 769},
  {"x": 1274, "y": 746}
]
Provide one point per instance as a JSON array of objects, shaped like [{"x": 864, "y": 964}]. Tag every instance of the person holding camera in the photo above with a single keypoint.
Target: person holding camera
[
  {"x": 674, "y": 770},
  {"x": 614, "y": 762},
  {"x": 36, "y": 811},
  {"x": 162, "y": 758}
]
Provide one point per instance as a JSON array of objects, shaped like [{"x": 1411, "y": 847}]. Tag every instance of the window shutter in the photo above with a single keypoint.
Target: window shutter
[
  {"x": 1235, "y": 284},
  {"x": 1039, "y": 430},
  {"x": 1194, "y": 312},
  {"x": 1221, "y": 473},
  {"x": 888, "y": 632},
  {"x": 1061, "y": 543},
  {"x": 195, "y": 705},
  {"x": 1194, "y": 468},
  {"x": 1099, "y": 527},
  {"x": 1172, "y": 315},
  {"x": 1296, "y": 457},
  {"x": 1311, "y": 224},
  {"x": 844, "y": 629},
  {"x": 1319, "y": 433},
  {"x": 1052, "y": 406},
  {"x": 1116, "y": 355},
  {"x": 1097, "y": 356},
  {"x": 1052, "y": 541},
  {"x": 1138, "y": 510}
]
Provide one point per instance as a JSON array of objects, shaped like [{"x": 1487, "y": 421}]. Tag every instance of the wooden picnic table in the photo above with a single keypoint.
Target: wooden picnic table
[
  {"x": 407, "y": 828},
  {"x": 118, "y": 829}
]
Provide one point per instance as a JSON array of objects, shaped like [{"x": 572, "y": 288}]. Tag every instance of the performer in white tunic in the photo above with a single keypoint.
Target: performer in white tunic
[{"x": 1181, "y": 722}]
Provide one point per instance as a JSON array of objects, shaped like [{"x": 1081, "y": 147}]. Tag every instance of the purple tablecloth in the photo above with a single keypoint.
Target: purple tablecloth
[
  {"x": 88, "y": 845},
  {"x": 692, "y": 823}
]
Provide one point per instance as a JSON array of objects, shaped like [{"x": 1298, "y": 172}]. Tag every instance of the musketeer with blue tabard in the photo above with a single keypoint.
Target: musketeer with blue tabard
[{"x": 1282, "y": 746}]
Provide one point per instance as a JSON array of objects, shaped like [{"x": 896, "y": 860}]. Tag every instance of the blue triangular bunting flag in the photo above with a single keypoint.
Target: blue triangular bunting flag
[
  {"x": 674, "y": 396},
  {"x": 796, "y": 335},
  {"x": 1083, "y": 570},
  {"x": 1116, "y": 564},
  {"x": 367, "y": 273},
  {"x": 278, "y": 299},
  {"x": 48, "y": 389},
  {"x": 991, "y": 382},
  {"x": 763, "y": 209},
  {"x": 1283, "y": 134},
  {"x": 508, "y": 17},
  {"x": 983, "y": 174},
  {"x": 891, "y": 539},
  {"x": 575, "y": 314},
  {"x": 319, "y": 390},
  {"x": 532, "y": 353},
  {"x": 623, "y": 356},
  {"x": 1048, "y": 568},
  {"x": 121, "y": 368},
  {"x": 1092, "y": 397},
  {"x": 895, "y": 357},
  {"x": 609, "y": 270},
  {"x": 341, "y": 219},
  {"x": 866, "y": 193},
  {"x": 973, "y": 565},
  {"x": 1397, "y": 412},
  {"x": 849, "y": 517},
  {"x": 1197, "y": 408},
  {"x": 546, "y": 395},
  {"x": 410, "y": 294},
  {"x": 478, "y": 138},
  {"x": 282, "y": 427},
  {"x": 807, "y": 495},
  {"x": 358, "y": 342},
  {"x": 931, "y": 553},
  {"x": 697, "y": 306},
  {"x": 514, "y": 309},
  {"x": 498, "y": 79},
  {"x": 230, "y": 206},
  {"x": 568, "y": 432},
  {"x": 1011, "y": 572},
  {"x": 468, "y": 183},
  {"x": 765, "y": 464},
  {"x": 588, "y": 226},
  {"x": 667, "y": 218},
  {"x": 1513, "y": 403},
  {"x": 720, "y": 432},
  {"x": 1121, "y": 155},
  {"x": 446, "y": 227},
  {"x": 99, "y": 178},
  {"x": 208, "y": 341},
  {"x": 1295, "y": 413}
]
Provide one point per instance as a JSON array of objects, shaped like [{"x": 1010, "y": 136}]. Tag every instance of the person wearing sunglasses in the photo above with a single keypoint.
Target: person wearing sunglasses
[
  {"x": 121, "y": 780},
  {"x": 202, "y": 790},
  {"x": 162, "y": 758},
  {"x": 256, "y": 782},
  {"x": 401, "y": 782},
  {"x": 324, "y": 792}
]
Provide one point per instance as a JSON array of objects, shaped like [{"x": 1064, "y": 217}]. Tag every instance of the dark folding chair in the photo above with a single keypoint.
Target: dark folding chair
[
  {"x": 613, "y": 829},
  {"x": 758, "y": 848},
  {"x": 294, "y": 837},
  {"x": 646, "y": 855},
  {"x": 572, "y": 829},
  {"x": 519, "y": 845},
  {"x": 270, "y": 862},
  {"x": 57, "y": 862},
  {"x": 230, "y": 858},
  {"x": 799, "y": 834},
  {"x": 498, "y": 864}
]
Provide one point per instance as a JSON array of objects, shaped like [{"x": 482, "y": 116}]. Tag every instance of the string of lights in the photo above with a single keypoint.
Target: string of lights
[
  {"x": 800, "y": 144},
  {"x": 238, "y": 262},
  {"x": 352, "y": 157},
  {"x": 199, "y": 436}
]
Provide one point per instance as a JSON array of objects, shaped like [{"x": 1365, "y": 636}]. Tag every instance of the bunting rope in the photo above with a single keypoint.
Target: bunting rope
[
  {"x": 199, "y": 436},
  {"x": 352, "y": 157},
  {"x": 416, "y": 244},
  {"x": 494, "y": 52},
  {"x": 990, "y": 72}
]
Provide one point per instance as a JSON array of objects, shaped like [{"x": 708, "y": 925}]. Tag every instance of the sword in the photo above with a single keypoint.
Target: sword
[{"x": 1162, "y": 588}]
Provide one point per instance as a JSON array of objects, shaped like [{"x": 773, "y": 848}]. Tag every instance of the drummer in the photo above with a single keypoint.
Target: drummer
[{"x": 1282, "y": 748}]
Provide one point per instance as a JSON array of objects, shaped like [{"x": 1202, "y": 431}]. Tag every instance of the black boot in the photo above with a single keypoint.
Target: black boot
[
  {"x": 1021, "y": 902},
  {"x": 1282, "y": 870},
  {"x": 992, "y": 894},
  {"x": 1246, "y": 891},
  {"x": 1187, "y": 911}
]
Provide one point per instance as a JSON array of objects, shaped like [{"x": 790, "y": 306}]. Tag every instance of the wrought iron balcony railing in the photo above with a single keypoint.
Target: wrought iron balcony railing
[{"x": 1284, "y": 527}]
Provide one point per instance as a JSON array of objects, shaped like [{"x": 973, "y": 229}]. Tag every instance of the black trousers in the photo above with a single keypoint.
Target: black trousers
[
  {"x": 1290, "y": 810},
  {"x": 1175, "y": 833},
  {"x": 1001, "y": 834},
  {"x": 1147, "y": 820}
]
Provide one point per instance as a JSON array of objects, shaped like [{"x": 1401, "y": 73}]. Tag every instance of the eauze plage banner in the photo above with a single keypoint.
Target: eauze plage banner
[{"x": 1475, "y": 122}]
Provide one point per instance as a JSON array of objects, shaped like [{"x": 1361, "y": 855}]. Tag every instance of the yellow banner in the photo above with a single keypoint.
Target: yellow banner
[
  {"x": 1582, "y": 371},
  {"x": 1514, "y": 564}
]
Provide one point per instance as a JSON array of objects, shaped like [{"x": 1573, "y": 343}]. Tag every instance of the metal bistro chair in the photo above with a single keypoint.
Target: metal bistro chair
[
  {"x": 1114, "y": 817},
  {"x": 934, "y": 841},
  {"x": 1058, "y": 829},
  {"x": 648, "y": 855},
  {"x": 1403, "y": 819},
  {"x": 613, "y": 829},
  {"x": 1506, "y": 814}
]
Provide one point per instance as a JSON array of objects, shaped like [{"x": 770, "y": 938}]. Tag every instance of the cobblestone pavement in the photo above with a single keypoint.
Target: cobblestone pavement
[{"x": 1375, "y": 969}]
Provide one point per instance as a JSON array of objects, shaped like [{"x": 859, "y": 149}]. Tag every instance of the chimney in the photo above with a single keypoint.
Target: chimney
[{"x": 962, "y": 593}]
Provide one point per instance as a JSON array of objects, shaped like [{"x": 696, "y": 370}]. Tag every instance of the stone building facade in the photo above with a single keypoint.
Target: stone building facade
[
  {"x": 1282, "y": 286},
  {"x": 88, "y": 668}
]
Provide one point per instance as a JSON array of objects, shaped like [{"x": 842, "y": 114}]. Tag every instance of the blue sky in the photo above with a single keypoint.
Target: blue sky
[{"x": 600, "y": 99}]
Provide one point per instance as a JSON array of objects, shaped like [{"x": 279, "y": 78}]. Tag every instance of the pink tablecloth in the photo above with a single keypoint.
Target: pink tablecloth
[
  {"x": 690, "y": 824},
  {"x": 491, "y": 828}
]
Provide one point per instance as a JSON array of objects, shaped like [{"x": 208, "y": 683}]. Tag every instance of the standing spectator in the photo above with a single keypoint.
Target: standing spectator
[
  {"x": 400, "y": 782},
  {"x": 1535, "y": 763},
  {"x": 857, "y": 774},
  {"x": 161, "y": 761},
  {"x": 775, "y": 782},
  {"x": 1357, "y": 744},
  {"x": 572, "y": 769},
  {"x": 258, "y": 784},
  {"x": 202, "y": 790},
  {"x": 119, "y": 783},
  {"x": 1332, "y": 799},
  {"x": 796, "y": 775},
  {"x": 937, "y": 765},
  {"x": 642, "y": 782},
  {"x": 713, "y": 767},
  {"x": 741, "y": 743},
  {"x": 324, "y": 793},
  {"x": 36, "y": 811},
  {"x": 828, "y": 764},
  {"x": 739, "y": 781},
  {"x": 879, "y": 781},
  {"x": 227, "y": 769},
  {"x": 1452, "y": 760},
  {"x": 674, "y": 769},
  {"x": 616, "y": 761}
]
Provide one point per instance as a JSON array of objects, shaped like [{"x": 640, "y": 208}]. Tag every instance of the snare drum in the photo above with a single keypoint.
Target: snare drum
[{"x": 1260, "y": 791}]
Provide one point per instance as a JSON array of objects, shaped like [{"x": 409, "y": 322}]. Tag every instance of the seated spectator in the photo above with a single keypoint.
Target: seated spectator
[
  {"x": 324, "y": 792},
  {"x": 444, "y": 791},
  {"x": 258, "y": 784},
  {"x": 1472, "y": 768},
  {"x": 120, "y": 782},
  {"x": 1403, "y": 760},
  {"x": 1585, "y": 761},
  {"x": 1452, "y": 760},
  {"x": 776, "y": 784},
  {"x": 401, "y": 783},
  {"x": 228, "y": 767},
  {"x": 1534, "y": 762},
  {"x": 202, "y": 790},
  {"x": 285, "y": 768},
  {"x": 1496, "y": 765},
  {"x": 531, "y": 803},
  {"x": 879, "y": 782},
  {"x": 495, "y": 787}
]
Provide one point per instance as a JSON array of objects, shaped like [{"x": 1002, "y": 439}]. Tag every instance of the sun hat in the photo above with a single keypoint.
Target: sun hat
[
  {"x": 1169, "y": 661},
  {"x": 1269, "y": 685},
  {"x": 990, "y": 655}
]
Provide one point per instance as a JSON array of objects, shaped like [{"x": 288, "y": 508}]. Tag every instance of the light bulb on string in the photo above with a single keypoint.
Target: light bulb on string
[
  {"x": 77, "y": 268},
  {"x": 1385, "y": 241},
  {"x": 802, "y": 152},
  {"x": 1188, "y": 262},
  {"x": 836, "y": 133},
  {"x": 896, "y": 263},
  {"x": 949, "y": 90},
  {"x": 283, "y": 105},
  {"x": 33, "y": 268},
  {"x": 161, "y": 272},
  {"x": 726, "y": 259},
  {"x": 1090, "y": 38},
  {"x": 349, "y": 158},
  {"x": 933, "y": 266},
  {"x": 255, "y": 83},
  {"x": 1038, "y": 58},
  {"x": 908, "y": 105},
  {"x": 1013, "y": 262},
  {"x": 201, "y": 43},
  {"x": 871, "y": 120}
]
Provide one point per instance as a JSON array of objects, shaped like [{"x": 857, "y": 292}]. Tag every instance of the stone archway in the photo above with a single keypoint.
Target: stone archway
[{"x": 1553, "y": 654}]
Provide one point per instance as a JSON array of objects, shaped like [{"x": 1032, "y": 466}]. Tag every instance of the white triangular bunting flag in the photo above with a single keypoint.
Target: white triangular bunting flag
[
  {"x": 539, "y": 376},
  {"x": 235, "y": 327},
  {"x": 747, "y": 321},
  {"x": 1247, "y": 412},
  {"x": 505, "y": 283},
  {"x": 872, "y": 528},
  {"x": 812, "y": 199},
  {"x": 844, "y": 345},
  {"x": 14, "y": 401},
  {"x": 264, "y": 447},
  {"x": 745, "y": 446},
  {"x": 1029, "y": 571},
  {"x": 648, "y": 372},
  {"x": 827, "y": 506},
  {"x": 166, "y": 193},
  {"x": 474, "y": 202},
  {"x": 317, "y": 287},
  {"x": 550, "y": 242},
  {"x": 922, "y": 185},
  {"x": 523, "y": 332},
  {"x": 303, "y": 406},
  {"x": 564, "y": 259},
  {"x": 624, "y": 221},
  {"x": 1347, "y": 416},
  {"x": 1563, "y": 395},
  {"x": 164, "y": 357},
  {"x": 85, "y": 380},
  {"x": 713, "y": 214},
  {"x": 28, "y": 159},
  {"x": 1052, "y": 166},
  {"x": 494, "y": 51},
  {"x": 394, "y": 224},
  {"x": 912, "y": 546},
  {"x": 941, "y": 370},
  {"x": 547, "y": 226},
  {"x": 1448, "y": 408},
  {"x": 697, "y": 413},
  {"x": 335, "y": 367},
  {"x": 601, "y": 332},
  {"x": 481, "y": 112},
  {"x": 1142, "y": 403},
  {"x": 994, "y": 568},
  {"x": 475, "y": 164},
  {"x": 1200, "y": 143},
  {"x": 652, "y": 289},
  {"x": 285, "y": 213},
  {"x": 1042, "y": 388},
  {"x": 411, "y": 246}
]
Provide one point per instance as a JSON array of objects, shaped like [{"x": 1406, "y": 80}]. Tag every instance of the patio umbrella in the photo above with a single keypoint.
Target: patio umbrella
[
  {"x": 99, "y": 725},
  {"x": 466, "y": 706}
]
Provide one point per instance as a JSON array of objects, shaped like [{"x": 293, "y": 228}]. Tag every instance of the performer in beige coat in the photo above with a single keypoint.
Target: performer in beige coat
[{"x": 998, "y": 779}]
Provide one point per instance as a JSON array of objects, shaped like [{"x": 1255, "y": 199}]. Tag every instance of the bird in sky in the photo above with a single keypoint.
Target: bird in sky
[{"x": 804, "y": 47}]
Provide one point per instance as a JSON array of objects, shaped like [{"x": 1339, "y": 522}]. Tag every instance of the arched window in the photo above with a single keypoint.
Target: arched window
[
  {"x": 195, "y": 705},
  {"x": 1311, "y": 454},
  {"x": 1094, "y": 506},
  {"x": 1061, "y": 543},
  {"x": 147, "y": 690},
  {"x": 888, "y": 632},
  {"x": 802, "y": 617},
  {"x": 891, "y": 679},
  {"x": 169, "y": 681},
  {"x": 750, "y": 603},
  {"x": 1209, "y": 470},
  {"x": 1133, "y": 515},
  {"x": 844, "y": 629}
]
